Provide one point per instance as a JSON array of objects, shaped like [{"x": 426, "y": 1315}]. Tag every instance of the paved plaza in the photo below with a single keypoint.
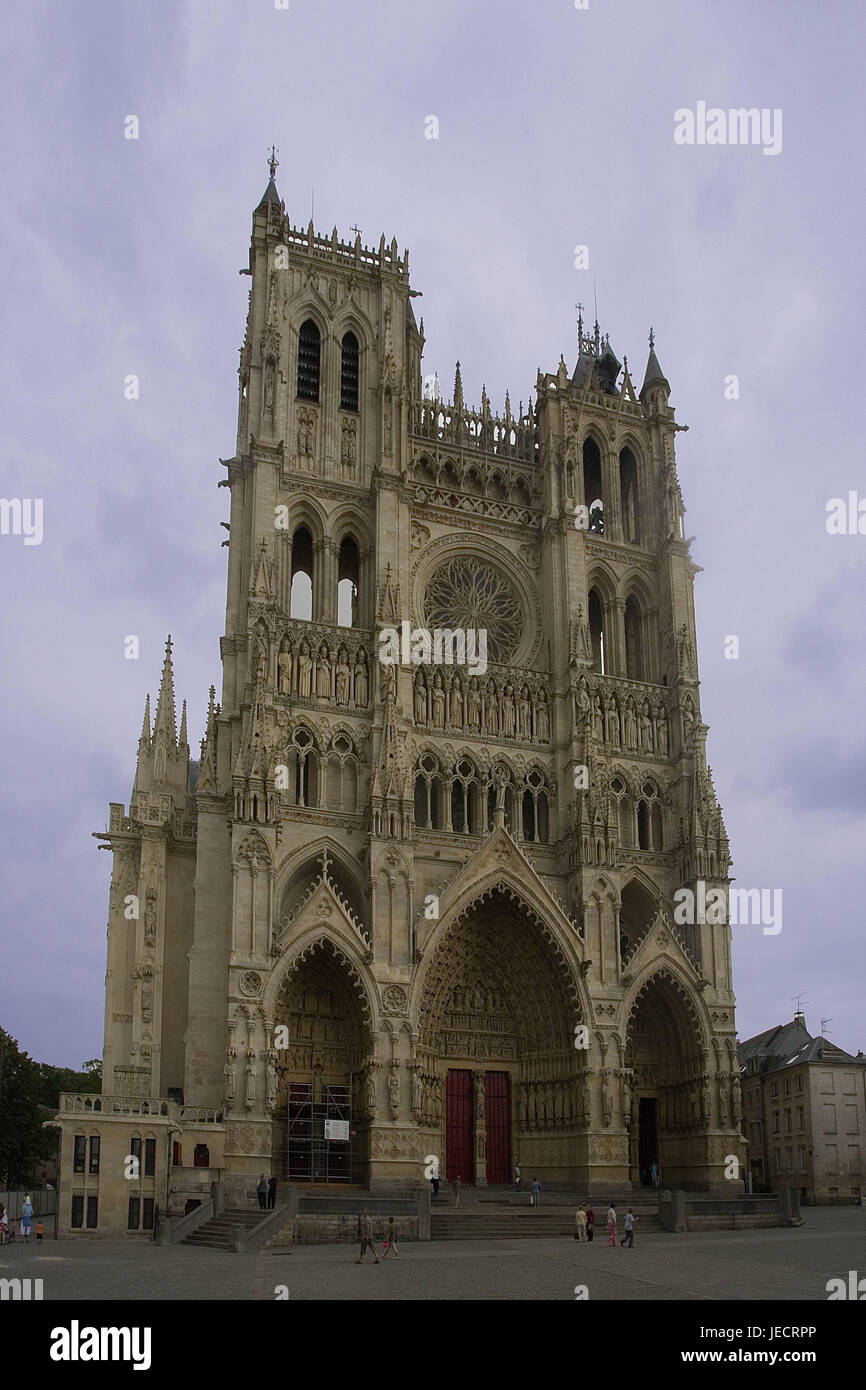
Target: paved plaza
[{"x": 777, "y": 1264}]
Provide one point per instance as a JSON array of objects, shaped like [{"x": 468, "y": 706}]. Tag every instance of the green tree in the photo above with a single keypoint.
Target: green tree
[{"x": 23, "y": 1141}]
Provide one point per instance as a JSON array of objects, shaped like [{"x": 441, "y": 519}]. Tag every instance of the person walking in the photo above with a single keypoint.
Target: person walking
[
  {"x": 458, "y": 1188},
  {"x": 40, "y": 1232},
  {"x": 654, "y": 1174},
  {"x": 517, "y": 1177},
  {"x": 272, "y": 1192},
  {"x": 262, "y": 1191},
  {"x": 26, "y": 1218},
  {"x": 4, "y": 1224},
  {"x": 365, "y": 1232},
  {"x": 611, "y": 1224},
  {"x": 580, "y": 1225},
  {"x": 434, "y": 1175},
  {"x": 590, "y": 1223},
  {"x": 391, "y": 1240},
  {"x": 535, "y": 1198},
  {"x": 628, "y": 1238}
]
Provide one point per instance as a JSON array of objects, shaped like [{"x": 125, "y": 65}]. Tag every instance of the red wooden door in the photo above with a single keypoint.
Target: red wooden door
[
  {"x": 458, "y": 1126},
  {"x": 497, "y": 1092}
]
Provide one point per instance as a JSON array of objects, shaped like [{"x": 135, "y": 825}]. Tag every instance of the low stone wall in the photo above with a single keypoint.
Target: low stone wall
[
  {"x": 320, "y": 1228},
  {"x": 681, "y": 1211}
]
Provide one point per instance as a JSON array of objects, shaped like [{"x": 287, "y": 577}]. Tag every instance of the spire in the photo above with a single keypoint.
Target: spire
[
  {"x": 653, "y": 374},
  {"x": 145, "y": 725},
  {"x": 207, "y": 778},
  {"x": 270, "y": 194},
  {"x": 458, "y": 388},
  {"x": 166, "y": 721},
  {"x": 182, "y": 739}
]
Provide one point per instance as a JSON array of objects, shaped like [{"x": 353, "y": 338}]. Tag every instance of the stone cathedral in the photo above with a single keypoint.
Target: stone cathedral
[{"x": 426, "y": 908}]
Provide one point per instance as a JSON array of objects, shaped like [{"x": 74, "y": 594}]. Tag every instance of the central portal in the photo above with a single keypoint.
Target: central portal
[{"x": 497, "y": 1077}]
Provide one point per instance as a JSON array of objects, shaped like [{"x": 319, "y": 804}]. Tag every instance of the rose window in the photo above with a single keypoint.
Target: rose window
[{"x": 474, "y": 595}]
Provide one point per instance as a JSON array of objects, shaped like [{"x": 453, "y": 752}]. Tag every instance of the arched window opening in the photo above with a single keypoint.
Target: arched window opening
[
  {"x": 349, "y": 569},
  {"x": 528, "y": 815},
  {"x": 309, "y": 351},
  {"x": 643, "y": 829},
  {"x": 628, "y": 496},
  {"x": 593, "y": 494},
  {"x": 301, "y": 603},
  {"x": 458, "y": 806},
  {"x": 626, "y": 833},
  {"x": 657, "y": 831},
  {"x": 542, "y": 811},
  {"x": 349, "y": 373},
  {"x": 422, "y": 810},
  {"x": 596, "y": 631},
  {"x": 491, "y": 806},
  {"x": 634, "y": 668}
]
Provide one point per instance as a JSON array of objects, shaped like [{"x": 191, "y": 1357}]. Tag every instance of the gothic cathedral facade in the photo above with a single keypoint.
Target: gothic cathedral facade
[{"x": 424, "y": 909}]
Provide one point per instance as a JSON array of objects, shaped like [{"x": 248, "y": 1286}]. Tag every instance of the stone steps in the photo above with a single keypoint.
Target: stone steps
[
  {"x": 460, "y": 1225},
  {"x": 216, "y": 1233}
]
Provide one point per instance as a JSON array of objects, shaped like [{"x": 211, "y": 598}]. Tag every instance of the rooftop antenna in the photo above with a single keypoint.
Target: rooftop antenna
[
  {"x": 797, "y": 999},
  {"x": 355, "y": 229},
  {"x": 824, "y": 1022}
]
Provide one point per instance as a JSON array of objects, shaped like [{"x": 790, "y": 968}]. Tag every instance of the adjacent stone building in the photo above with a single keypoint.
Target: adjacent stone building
[
  {"x": 804, "y": 1113},
  {"x": 424, "y": 910}
]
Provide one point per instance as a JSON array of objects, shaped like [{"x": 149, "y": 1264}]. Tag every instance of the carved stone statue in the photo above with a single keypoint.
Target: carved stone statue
[
  {"x": 662, "y": 732},
  {"x": 420, "y": 699},
  {"x": 492, "y": 710},
  {"x": 612, "y": 722},
  {"x": 438, "y": 703},
  {"x": 736, "y": 1098},
  {"x": 371, "y": 1094},
  {"x": 150, "y": 918},
  {"x": 606, "y": 1101},
  {"x": 473, "y": 704},
  {"x": 323, "y": 674},
  {"x": 394, "y": 1092},
  {"x": 597, "y": 719},
  {"x": 508, "y": 711},
  {"x": 525, "y": 714},
  {"x": 361, "y": 681},
  {"x": 251, "y": 1084},
  {"x": 630, "y": 726},
  {"x": 417, "y": 1094},
  {"x": 646, "y": 728},
  {"x": 457, "y": 704},
  {"x": 272, "y": 1085},
  {"x": 229, "y": 1071},
  {"x": 542, "y": 718},
  {"x": 723, "y": 1101},
  {"x": 284, "y": 668},
  {"x": 343, "y": 677},
  {"x": 305, "y": 672},
  {"x": 480, "y": 1107}
]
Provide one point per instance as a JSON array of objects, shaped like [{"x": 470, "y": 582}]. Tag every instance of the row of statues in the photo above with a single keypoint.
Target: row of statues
[
  {"x": 308, "y": 673},
  {"x": 482, "y": 707},
  {"x": 632, "y": 725}
]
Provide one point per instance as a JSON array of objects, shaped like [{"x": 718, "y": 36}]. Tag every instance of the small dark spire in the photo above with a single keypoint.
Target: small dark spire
[
  {"x": 270, "y": 194},
  {"x": 653, "y": 373},
  {"x": 652, "y": 338}
]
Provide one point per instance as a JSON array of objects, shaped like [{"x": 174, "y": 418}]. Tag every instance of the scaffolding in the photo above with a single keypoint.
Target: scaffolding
[{"x": 315, "y": 1153}]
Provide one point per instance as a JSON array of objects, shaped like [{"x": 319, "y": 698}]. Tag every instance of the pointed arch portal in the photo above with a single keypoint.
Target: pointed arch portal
[
  {"x": 666, "y": 1061},
  {"x": 497, "y": 1064},
  {"x": 317, "y": 1136}
]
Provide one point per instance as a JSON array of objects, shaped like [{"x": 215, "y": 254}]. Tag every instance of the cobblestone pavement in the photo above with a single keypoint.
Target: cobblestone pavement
[{"x": 762, "y": 1265}]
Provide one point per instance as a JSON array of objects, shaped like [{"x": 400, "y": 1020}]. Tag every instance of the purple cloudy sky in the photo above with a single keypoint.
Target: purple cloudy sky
[{"x": 556, "y": 129}]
